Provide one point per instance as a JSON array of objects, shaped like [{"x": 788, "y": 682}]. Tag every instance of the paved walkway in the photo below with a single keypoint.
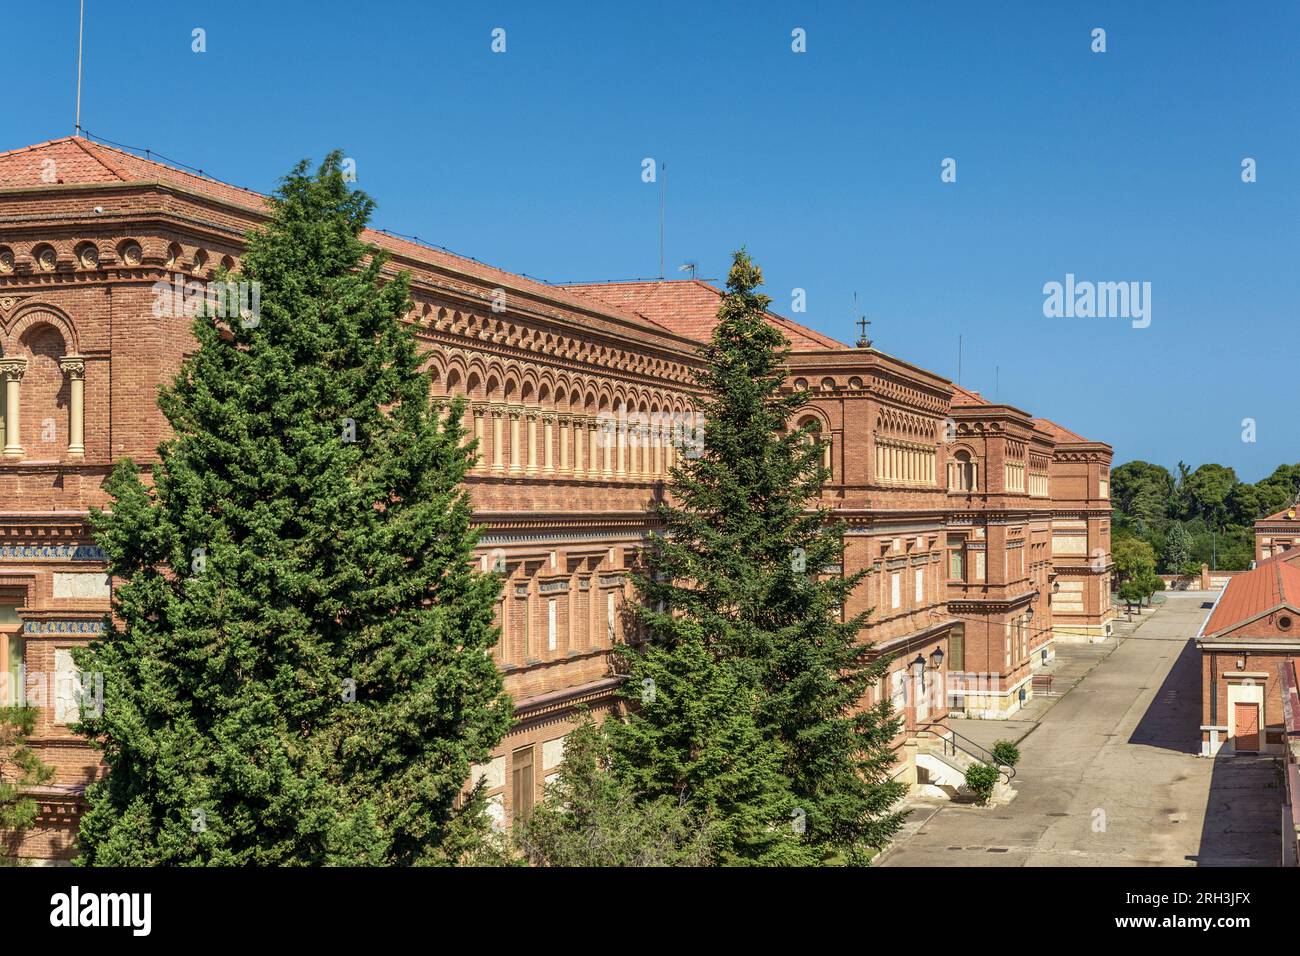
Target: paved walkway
[{"x": 1109, "y": 775}]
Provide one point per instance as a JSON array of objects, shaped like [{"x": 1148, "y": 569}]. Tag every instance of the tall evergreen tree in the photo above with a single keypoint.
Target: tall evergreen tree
[
  {"x": 1178, "y": 550},
  {"x": 302, "y": 671},
  {"x": 739, "y": 564},
  {"x": 20, "y": 769},
  {"x": 692, "y": 736}
]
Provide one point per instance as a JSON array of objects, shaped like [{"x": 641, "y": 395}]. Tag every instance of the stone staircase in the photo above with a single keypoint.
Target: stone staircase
[{"x": 942, "y": 758}]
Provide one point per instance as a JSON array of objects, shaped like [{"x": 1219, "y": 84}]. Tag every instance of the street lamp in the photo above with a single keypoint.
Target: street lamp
[{"x": 936, "y": 658}]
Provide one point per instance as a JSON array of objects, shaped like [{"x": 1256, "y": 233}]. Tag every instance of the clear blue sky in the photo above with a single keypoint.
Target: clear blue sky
[{"x": 1117, "y": 166}]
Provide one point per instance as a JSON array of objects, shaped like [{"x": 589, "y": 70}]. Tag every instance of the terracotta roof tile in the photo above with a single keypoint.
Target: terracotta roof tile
[
  {"x": 964, "y": 396},
  {"x": 82, "y": 161},
  {"x": 1059, "y": 432},
  {"x": 689, "y": 307},
  {"x": 1271, "y": 584}
]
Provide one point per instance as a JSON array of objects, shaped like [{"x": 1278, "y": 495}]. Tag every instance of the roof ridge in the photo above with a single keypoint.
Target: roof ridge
[
  {"x": 35, "y": 146},
  {"x": 93, "y": 154}
]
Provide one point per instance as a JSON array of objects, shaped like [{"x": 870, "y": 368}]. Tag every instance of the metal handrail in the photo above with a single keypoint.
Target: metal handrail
[{"x": 977, "y": 751}]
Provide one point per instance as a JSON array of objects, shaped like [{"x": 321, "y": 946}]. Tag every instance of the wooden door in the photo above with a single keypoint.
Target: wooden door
[
  {"x": 523, "y": 790},
  {"x": 1247, "y": 719}
]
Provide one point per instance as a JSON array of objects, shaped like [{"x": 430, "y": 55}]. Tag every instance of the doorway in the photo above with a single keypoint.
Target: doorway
[{"x": 1246, "y": 717}]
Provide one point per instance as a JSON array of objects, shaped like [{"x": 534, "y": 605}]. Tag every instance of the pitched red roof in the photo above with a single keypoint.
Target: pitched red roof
[
  {"x": 1059, "y": 432},
  {"x": 78, "y": 161},
  {"x": 1282, "y": 515},
  {"x": 1272, "y": 584},
  {"x": 964, "y": 396},
  {"x": 689, "y": 307}
]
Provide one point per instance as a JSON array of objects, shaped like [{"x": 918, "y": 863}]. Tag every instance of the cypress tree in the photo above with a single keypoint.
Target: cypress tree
[
  {"x": 740, "y": 562},
  {"x": 301, "y": 673}
]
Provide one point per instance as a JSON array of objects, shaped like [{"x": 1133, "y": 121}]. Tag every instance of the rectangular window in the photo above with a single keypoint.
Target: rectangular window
[
  {"x": 895, "y": 589},
  {"x": 956, "y": 558},
  {"x": 550, "y": 624},
  {"x": 523, "y": 789},
  {"x": 67, "y": 688},
  {"x": 898, "y": 694},
  {"x": 920, "y": 585},
  {"x": 957, "y": 648},
  {"x": 15, "y": 670}
]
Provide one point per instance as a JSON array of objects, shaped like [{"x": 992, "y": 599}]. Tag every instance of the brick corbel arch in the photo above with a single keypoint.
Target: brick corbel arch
[{"x": 35, "y": 313}]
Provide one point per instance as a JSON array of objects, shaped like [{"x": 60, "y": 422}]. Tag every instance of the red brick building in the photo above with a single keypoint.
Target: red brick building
[
  {"x": 985, "y": 531},
  {"x": 1250, "y": 636},
  {"x": 1277, "y": 533}
]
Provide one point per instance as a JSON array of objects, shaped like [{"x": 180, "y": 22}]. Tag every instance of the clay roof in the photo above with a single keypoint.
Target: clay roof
[
  {"x": 689, "y": 307},
  {"x": 964, "y": 396},
  {"x": 1059, "y": 432},
  {"x": 79, "y": 161},
  {"x": 1272, "y": 584},
  {"x": 1281, "y": 516}
]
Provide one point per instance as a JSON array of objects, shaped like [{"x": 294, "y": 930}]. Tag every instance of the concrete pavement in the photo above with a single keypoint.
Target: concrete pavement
[{"x": 1109, "y": 773}]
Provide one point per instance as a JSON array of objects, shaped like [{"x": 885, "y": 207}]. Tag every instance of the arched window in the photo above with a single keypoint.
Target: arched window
[
  {"x": 962, "y": 473},
  {"x": 814, "y": 436}
]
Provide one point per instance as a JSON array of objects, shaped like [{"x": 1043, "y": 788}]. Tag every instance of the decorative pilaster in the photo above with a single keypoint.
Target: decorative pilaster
[
  {"x": 74, "y": 366},
  {"x": 12, "y": 370}
]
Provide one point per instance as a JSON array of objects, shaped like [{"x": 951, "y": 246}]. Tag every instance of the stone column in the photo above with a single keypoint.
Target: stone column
[
  {"x": 74, "y": 366},
  {"x": 532, "y": 414},
  {"x": 478, "y": 436},
  {"x": 516, "y": 444},
  {"x": 548, "y": 442},
  {"x": 498, "y": 438},
  {"x": 579, "y": 444},
  {"x": 633, "y": 434},
  {"x": 12, "y": 369},
  {"x": 619, "y": 435},
  {"x": 610, "y": 430},
  {"x": 564, "y": 444}
]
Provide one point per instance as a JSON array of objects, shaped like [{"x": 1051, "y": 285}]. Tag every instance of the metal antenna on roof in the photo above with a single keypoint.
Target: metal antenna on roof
[
  {"x": 81, "y": 30},
  {"x": 663, "y": 185},
  {"x": 691, "y": 267}
]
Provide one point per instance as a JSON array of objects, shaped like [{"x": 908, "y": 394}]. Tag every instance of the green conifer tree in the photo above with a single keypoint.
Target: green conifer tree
[
  {"x": 20, "y": 770},
  {"x": 691, "y": 735},
  {"x": 302, "y": 670},
  {"x": 741, "y": 562}
]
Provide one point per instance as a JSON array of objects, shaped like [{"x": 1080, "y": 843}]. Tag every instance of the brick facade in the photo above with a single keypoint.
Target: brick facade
[{"x": 985, "y": 532}]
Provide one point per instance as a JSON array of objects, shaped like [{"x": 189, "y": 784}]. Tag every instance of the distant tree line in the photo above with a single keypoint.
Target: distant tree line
[{"x": 1196, "y": 517}]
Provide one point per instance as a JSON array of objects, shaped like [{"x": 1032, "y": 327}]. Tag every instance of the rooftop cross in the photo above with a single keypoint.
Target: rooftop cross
[{"x": 863, "y": 341}]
